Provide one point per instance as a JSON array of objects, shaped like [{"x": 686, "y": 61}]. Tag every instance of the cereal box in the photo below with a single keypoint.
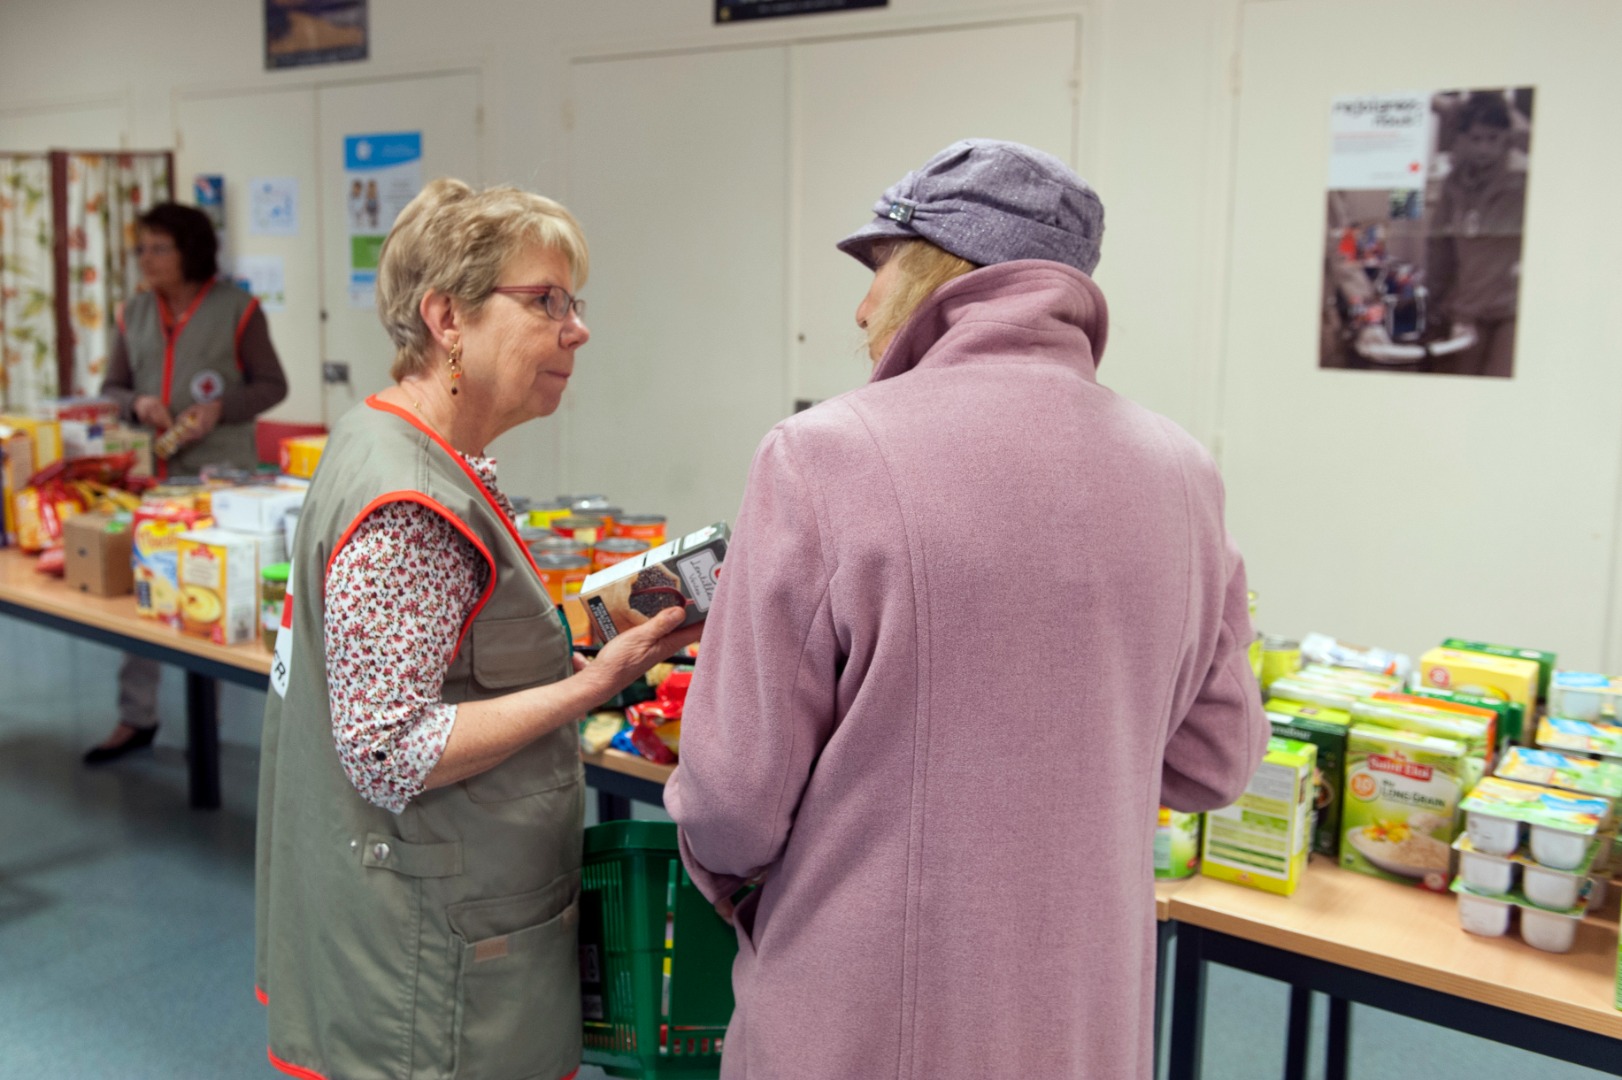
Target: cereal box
[
  {"x": 1262, "y": 839},
  {"x": 219, "y": 586},
  {"x": 1401, "y": 809},
  {"x": 1326, "y": 729}
]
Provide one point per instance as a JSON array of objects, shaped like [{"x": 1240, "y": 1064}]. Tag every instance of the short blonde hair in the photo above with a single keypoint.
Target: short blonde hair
[
  {"x": 920, "y": 269},
  {"x": 453, "y": 240}
]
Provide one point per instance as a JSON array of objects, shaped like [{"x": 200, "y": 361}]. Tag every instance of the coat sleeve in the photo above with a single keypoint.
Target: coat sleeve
[
  {"x": 762, "y": 704},
  {"x": 1213, "y": 750}
]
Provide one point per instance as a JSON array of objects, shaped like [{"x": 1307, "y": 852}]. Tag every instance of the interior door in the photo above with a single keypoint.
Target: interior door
[
  {"x": 445, "y": 110},
  {"x": 282, "y": 144},
  {"x": 869, "y": 109},
  {"x": 678, "y": 173}
]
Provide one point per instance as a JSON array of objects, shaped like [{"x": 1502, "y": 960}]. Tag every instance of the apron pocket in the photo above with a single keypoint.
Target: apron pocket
[{"x": 518, "y": 1000}]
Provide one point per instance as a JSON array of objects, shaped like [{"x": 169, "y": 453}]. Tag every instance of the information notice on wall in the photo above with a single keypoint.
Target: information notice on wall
[
  {"x": 382, "y": 173},
  {"x": 730, "y": 11}
]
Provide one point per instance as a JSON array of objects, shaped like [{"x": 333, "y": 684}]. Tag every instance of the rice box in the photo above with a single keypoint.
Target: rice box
[
  {"x": 1482, "y": 674},
  {"x": 1401, "y": 809},
  {"x": 219, "y": 586},
  {"x": 1511, "y": 714},
  {"x": 1326, "y": 729},
  {"x": 1262, "y": 839},
  {"x": 683, "y": 573},
  {"x": 1177, "y": 845}
]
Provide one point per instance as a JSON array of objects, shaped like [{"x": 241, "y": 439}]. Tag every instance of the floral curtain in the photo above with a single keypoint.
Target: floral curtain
[
  {"x": 28, "y": 372},
  {"x": 104, "y": 194}
]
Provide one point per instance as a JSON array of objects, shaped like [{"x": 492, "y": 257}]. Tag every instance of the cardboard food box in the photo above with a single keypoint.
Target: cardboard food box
[
  {"x": 46, "y": 435},
  {"x": 156, "y": 558},
  {"x": 682, "y": 573},
  {"x": 301, "y": 454},
  {"x": 1481, "y": 674},
  {"x": 219, "y": 586},
  {"x": 1177, "y": 845},
  {"x": 1327, "y": 729},
  {"x": 1262, "y": 839},
  {"x": 138, "y": 441},
  {"x": 258, "y": 508},
  {"x": 1511, "y": 714},
  {"x": 16, "y": 466},
  {"x": 97, "y": 552},
  {"x": 1401, "y": 809},
  {"x": 1544, "y": 659}
]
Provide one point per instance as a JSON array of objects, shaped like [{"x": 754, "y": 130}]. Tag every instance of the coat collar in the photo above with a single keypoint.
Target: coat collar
[{"x": 1031, "y": 310}]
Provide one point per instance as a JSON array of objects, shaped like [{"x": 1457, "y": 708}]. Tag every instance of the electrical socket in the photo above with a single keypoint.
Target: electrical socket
[{"x": 334, "y": 371}]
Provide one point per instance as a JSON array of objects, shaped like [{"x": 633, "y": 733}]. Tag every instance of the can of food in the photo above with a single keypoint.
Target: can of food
[
  {"x": 542, "y": 517},
  {"x": 550, "y": 543},
  {"x": 529, "y": 535},
  {"x": 1281, "y": 657},
  {"x": 584, "y": 530},
  {"x": 608, "y": 515},
  {"x": 562, "y": 575},
  {"x": 616, "y": 549},
  {"x": 649, "y": 527}
]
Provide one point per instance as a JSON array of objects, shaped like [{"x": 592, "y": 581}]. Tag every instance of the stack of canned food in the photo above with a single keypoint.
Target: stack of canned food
[{"x": 573, "y": 536}]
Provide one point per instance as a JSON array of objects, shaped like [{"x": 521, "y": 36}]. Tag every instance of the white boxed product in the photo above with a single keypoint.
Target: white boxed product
[{"x": 255, "y": 509}]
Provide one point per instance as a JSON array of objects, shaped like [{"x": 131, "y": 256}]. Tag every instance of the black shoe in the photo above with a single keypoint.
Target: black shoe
[{"x": 100, "y": 755}]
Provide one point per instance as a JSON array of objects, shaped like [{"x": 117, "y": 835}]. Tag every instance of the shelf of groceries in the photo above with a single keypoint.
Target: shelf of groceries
[{"x": 1481, "y": 774}]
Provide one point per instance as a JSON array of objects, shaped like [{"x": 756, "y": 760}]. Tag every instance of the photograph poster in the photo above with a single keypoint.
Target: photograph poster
[
  {"x": 303, "y": 32},
  {"x": 1422, "y": 252}
]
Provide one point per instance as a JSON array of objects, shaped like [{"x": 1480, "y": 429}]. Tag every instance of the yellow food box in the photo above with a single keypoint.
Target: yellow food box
[
  {"x": 1262, "y": 839},
  {"x": 301, "y": 454},
  {"x": 46, "y": 434},
  {"x": 1500, "y": 678},
  {"x": 219, "y": 586},
  {"x": 156, "y": 541}
]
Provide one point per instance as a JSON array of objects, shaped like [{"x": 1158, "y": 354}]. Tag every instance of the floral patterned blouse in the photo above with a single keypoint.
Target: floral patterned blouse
[{"x": 397, "y": 596}]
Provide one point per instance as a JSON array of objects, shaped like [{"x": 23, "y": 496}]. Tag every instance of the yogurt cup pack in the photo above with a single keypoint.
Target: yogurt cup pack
[
  {"x": 1488, "y": 916},
  {"x": 1581, "y": 775},
  {"x": 1580, "y": 736},
  {"x": 1562, "y": 826},
  {"x": 1519, "y": 873},
  {"x": 1583, "y": 695}
]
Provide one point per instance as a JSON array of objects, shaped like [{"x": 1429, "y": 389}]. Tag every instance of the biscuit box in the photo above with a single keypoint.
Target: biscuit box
[
  {"x": 1327, "y": 729},
  {"x": 1481, "y": 674},
  {"x": 219, "y": 586},
  {"x": 682, "y": 573},
  {"x": 1544, "y": 659},
  {"x": 1262, "y": 839}
]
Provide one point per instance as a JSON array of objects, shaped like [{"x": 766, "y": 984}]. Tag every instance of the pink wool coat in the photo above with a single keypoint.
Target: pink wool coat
[{"x": 978, "y": 619}]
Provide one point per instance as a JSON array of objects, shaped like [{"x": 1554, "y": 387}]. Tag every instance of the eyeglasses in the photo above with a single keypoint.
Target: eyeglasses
[{"x": 555, "y": 301}]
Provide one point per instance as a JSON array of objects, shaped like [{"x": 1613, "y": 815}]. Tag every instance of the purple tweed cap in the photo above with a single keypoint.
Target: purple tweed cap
[{"x": 989, "y": 201}]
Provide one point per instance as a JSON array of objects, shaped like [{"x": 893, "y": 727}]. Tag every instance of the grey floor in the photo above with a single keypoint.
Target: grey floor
[{"x": 126, "y": 919}]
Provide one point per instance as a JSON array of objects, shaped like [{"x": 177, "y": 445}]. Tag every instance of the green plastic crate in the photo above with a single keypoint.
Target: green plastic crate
[{"x": 655, "y": 958}]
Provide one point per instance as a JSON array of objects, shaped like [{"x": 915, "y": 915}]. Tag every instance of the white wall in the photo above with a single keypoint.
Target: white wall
[{"x": 1157, "y": 135}]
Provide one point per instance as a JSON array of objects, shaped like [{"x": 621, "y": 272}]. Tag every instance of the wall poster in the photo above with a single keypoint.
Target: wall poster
[
  {"x": 728, "y": 11},
  {"x": 381, "y": 174},
  {"x": 303, "y": 32},
  {"x": 1422, "y": 250}
]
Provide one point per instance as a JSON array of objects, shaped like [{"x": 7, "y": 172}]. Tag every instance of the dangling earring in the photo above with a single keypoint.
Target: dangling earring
[{"x": 455, "y": 362}]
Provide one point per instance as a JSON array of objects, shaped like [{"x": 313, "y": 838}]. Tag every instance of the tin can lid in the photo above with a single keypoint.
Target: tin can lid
[
  {"x": 1279, "y": 643},
  {"x": 548, "y": 560}
]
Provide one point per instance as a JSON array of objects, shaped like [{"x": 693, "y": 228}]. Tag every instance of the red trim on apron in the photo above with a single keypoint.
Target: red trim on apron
[
  {"x": 377, "y": 403},
  {"x": 263, "y": 998},
  {"x": 171, "y": 329},
  {"x": 444, "y": 512},
  {"x": 242, "y": 328},
  {"x": 297, "y": 1070}
]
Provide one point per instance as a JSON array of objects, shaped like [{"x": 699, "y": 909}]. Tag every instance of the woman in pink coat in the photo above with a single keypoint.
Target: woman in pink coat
[{"x": 979, "y": 618}]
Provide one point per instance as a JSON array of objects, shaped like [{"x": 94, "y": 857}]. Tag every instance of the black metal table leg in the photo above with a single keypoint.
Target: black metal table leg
[
  {"x": 1188, "y": 1004},
  {"x": 203, "y": 740},
  {"x": 1299, "y": 1034},
  {"x": 1165, "y": 931},
  {"x": 612, "y": 807},
  {"x": 1338, "y": 1061}
]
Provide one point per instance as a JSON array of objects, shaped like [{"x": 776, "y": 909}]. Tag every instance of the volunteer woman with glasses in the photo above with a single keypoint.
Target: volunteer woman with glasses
[
  {"x": 192, "y": 351},
  {"x": 979, "y": 618},
  {"x": 421, "y": 797}
]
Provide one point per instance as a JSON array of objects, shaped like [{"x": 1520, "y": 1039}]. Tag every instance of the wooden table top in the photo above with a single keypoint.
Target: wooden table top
[
  {"x": 1411, "y": 935},
  {"x": 20, "y": 585},
  {"x": 1164, "y": 891}
]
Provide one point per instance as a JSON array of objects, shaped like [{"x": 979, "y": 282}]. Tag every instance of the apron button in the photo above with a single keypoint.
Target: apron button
[{"x": 380, "y": 852}]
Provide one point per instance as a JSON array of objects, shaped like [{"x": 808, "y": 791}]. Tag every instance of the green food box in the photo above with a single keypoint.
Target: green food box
[
  {"x": 1177, "y": 845},
  {"x": 1326, "y": 729},
  {"x": 1511, "y": 714},
  {"x": 1401, "y": 807},
  {"x": 1262, "y": 839},
  {"x": 1544, "y": 660}
]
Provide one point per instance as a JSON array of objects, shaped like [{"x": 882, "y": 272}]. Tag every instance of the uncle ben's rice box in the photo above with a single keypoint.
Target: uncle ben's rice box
[
  {"x": 1262, "y": 839},
  {"x": 1401, "y": 808}
]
